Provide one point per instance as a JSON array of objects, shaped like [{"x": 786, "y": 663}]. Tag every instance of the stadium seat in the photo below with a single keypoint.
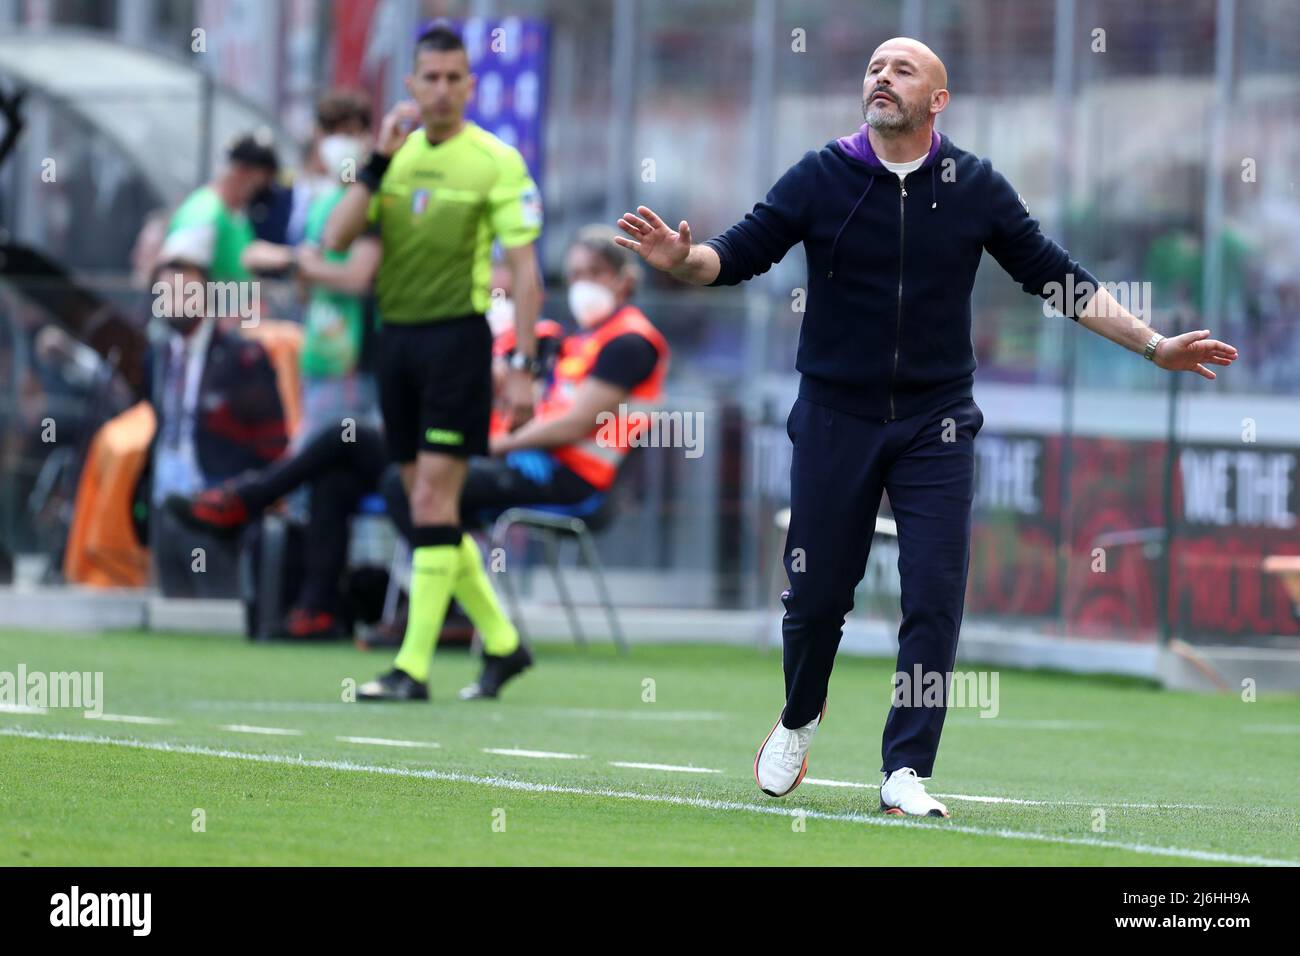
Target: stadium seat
[
  {"x": 102, "y": 549},
  {"x": 551, "y": 524}
]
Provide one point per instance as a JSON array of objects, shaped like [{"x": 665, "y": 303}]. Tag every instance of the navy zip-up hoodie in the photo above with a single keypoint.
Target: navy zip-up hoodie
[{"x": 886, "y": 330}]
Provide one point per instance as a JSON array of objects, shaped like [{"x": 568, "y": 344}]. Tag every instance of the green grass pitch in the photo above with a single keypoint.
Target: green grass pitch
[{"x": 1106, "y": 772}]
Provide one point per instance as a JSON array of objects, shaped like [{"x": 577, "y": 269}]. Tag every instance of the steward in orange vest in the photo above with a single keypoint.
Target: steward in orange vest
[
  {"x": 594, "y": 460},
  {"x": 608, "y": 376}
]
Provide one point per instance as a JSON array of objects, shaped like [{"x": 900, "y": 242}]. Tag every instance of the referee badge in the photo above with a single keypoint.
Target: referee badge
[
  {"x": 530, "y": 207},
  {"x": 419, "y": 201}
]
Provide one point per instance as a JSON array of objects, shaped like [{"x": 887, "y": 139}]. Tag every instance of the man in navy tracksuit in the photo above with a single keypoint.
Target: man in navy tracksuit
[{"x": 893, "y": 221}]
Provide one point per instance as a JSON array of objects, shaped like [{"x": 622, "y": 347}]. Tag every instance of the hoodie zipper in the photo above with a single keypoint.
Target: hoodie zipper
[{"x": 898, "y": 325}]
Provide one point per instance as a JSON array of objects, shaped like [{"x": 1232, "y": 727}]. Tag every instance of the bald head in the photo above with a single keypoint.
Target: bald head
[
  {"x": 925, "y": 60},
  {"x": 906, "y": 86}
]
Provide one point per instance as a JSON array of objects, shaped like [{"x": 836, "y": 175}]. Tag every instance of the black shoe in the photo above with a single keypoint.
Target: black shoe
[
  {"x": 219, "y": 511},
  {"x": 395, "y": 685},
  {"x": 496, "y": 671}
]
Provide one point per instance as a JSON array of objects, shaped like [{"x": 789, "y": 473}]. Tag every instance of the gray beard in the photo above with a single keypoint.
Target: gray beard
[{"x": 883, "y": 121}]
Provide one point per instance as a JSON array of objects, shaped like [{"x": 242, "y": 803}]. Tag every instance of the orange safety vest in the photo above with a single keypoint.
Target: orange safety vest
[
  {"x": 504, "y": 343},
  {"x": 594, "y": 460},
  {"x": 502, "y": 346}
]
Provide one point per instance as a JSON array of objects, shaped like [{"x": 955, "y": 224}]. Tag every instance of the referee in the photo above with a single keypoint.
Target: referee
[
  {"x": 893, "y": 221},
  {"x": 439, "y": 190}
]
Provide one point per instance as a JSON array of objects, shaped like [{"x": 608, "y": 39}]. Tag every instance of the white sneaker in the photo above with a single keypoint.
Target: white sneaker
[
  {"x": 782, "y": 760},
  {"x": 903, "y": 793}
]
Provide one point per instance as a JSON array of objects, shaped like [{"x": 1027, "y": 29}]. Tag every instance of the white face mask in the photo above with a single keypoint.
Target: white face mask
[
  {"x": 501, "y": 314},
  {"x": 590, "y": 302},
  {"x": 341, "y": 154}
]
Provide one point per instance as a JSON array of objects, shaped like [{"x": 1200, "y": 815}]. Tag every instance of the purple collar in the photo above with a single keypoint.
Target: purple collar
[{"x": 858, "y": 146}]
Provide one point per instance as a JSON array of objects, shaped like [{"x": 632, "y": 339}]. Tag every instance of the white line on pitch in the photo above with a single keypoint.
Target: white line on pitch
[
  {"x": 129, "y": 719},
  {"x": 701, "y": 803},
  {"x": 660, "y": 766},
  {"x": 248, "y": 729},
  {"x": 645, "y": 713},
  {"x": 21, "y": 709},
  {"x": 277, "y": 705},
  {"x": 841, "y": 783},
  {"x": 538, "y": 754},
  {"x": 386, "y": 742},
  {"x": 1079, "y": 803},
  {"x": 973, "y": 798}
]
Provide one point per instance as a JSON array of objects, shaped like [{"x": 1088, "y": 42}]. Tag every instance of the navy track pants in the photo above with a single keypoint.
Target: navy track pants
[{"x": 841, "y": 465}]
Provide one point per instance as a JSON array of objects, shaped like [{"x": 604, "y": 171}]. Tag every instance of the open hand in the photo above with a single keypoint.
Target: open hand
[
  {"x": 653, "y": 241},
  {"x": 1192, "y": 351}
]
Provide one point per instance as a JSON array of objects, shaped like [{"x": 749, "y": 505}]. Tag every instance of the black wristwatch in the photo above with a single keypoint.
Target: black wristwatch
[{"x": 521, "y": 362}]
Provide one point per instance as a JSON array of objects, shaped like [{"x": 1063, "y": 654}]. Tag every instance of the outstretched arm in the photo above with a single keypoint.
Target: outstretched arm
[
  {"x": 747, "y": 249},
  {"x": 517, "y": 392},
  {"x": 354, "y": 275},
  {"x": 1043, "y": 268},
  {"x": 1189, "y": 352},
  {"x": 666, "y": 250}
]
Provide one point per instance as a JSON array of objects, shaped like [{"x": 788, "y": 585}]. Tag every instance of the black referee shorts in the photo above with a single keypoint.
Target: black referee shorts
[{"x": 435, "y": 386}]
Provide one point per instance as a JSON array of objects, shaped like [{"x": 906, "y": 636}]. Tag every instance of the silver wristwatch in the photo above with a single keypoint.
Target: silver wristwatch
[
  {"x": 524, "y": 363},
  {"x": 1149, "y": 353}
]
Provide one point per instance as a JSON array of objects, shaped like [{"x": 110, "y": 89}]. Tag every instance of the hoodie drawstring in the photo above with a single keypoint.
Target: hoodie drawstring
[
  {"x": 834, "y": 245},
  {"x": 934, "y": 204}
]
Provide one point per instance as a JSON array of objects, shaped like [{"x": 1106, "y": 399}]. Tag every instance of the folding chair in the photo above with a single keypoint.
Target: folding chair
[{"x": 552, "y": 524}]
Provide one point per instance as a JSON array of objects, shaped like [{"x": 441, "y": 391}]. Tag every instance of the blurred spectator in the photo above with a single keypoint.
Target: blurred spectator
[
  {"x": 338, "y": 475},
  {"x": 616, "y": 359},
  {"x": 337, "y": 284},
  {"x": 342, "y": 131},
  {"x": 219, "y": 414},
  {"x": 211, "y": 228}
]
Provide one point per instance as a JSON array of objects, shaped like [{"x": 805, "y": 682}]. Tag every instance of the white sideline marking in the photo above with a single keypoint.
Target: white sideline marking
[
  {"x": 21, "y": 709},
  {"x": 385, "y": 742},
  {"x": 504, "y": 783},
  {"x": 248, "y": 729},
  {"x": 816, "y": 782},
  {"x": 660, "y": 766},
  {"x": 130, "y": 719},
  {"x": 972, "y": 798},
  {"x": 1082, "y": 803},
  {"x": 646, "y": 713},
  {"x": 288, "y": 705},
  {"x": 538, "y": 754}
]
